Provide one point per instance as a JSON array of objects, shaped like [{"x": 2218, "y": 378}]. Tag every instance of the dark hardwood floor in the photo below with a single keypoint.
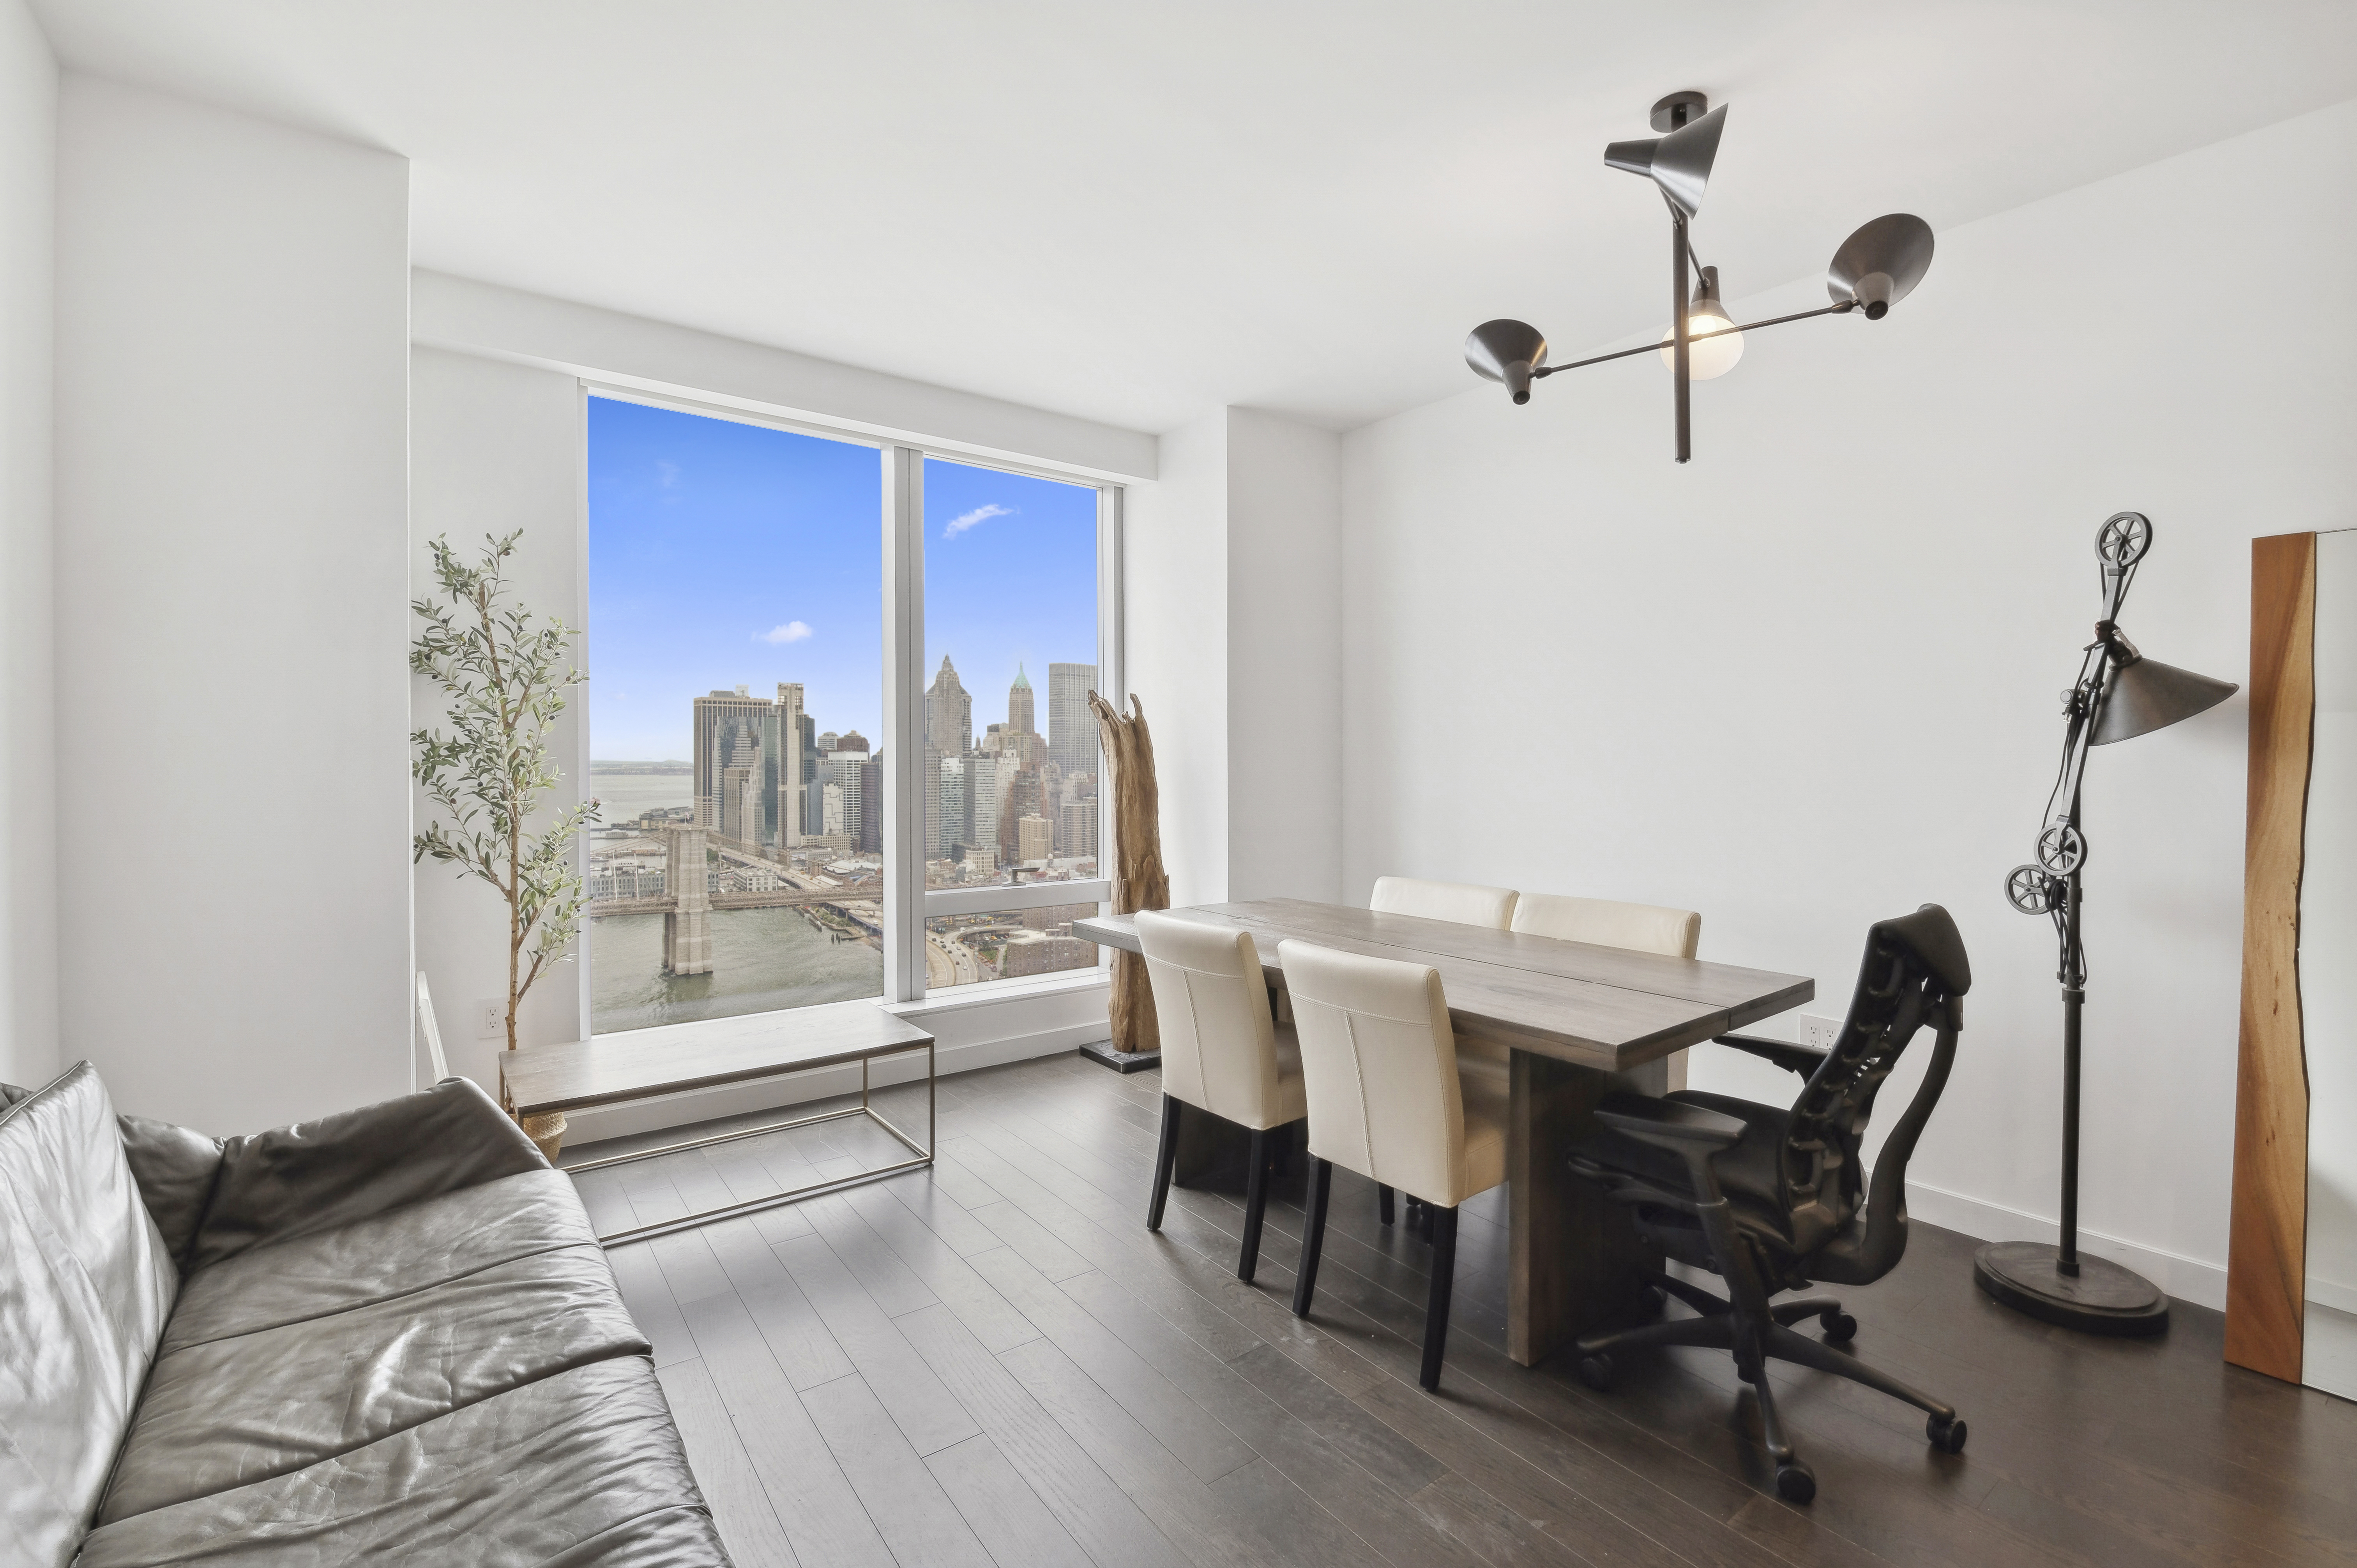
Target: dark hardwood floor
[{"x": 995, "y": 1362}]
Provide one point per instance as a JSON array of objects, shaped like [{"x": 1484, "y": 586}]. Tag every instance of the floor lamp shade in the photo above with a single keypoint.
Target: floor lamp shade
[{"x": 2146, "y": 695}]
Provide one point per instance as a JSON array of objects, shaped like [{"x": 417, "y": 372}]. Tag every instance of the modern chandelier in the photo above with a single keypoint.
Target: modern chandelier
[{"x": 1875, "y": 267}]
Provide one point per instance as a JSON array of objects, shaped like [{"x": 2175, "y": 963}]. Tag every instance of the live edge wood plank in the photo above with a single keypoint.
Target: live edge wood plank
[{"x": 2266, "y": 1262}]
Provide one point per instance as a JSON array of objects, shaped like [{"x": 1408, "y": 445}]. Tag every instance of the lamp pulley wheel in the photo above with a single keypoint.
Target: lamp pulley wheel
[
  {"x": 2031, "y": 890},
  {"x": 2123, "y": 538}
]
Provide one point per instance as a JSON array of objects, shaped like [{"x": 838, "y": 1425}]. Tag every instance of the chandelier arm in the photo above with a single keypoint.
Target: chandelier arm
[{"x": 1842, "y": 309}]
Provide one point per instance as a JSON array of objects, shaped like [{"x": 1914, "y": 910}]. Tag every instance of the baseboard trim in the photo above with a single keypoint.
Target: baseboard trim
[{"x": 2186, "y": 1279}]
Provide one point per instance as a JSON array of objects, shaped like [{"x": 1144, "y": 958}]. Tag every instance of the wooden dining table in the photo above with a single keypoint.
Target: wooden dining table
[{"x": 1581, "y": 1022}]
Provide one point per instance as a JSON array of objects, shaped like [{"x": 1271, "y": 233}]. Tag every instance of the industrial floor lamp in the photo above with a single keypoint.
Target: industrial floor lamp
[{"x": 2120, "y": 695}]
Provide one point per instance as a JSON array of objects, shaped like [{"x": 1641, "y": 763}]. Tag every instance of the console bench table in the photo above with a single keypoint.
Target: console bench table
[{"x": 646, "y": 1063}]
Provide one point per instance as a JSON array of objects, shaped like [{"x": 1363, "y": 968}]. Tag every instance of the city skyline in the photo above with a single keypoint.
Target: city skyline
[{"x": 724, "y": 554}]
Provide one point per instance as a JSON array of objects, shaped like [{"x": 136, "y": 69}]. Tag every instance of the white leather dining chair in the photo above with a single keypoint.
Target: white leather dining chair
[
  {"x": 1467, "y": 902},
  {"x": 1386, "y": 1100},
  {"x": 1642, "y": 927},
  {"x": 1221, "y": 1051}
]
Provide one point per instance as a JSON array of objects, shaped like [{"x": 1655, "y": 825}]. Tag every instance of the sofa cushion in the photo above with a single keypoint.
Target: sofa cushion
[
  {"x": 385, "y": 1256},
  {"x": 176, "y": 1168},
  {"x": 237, "y": 1410},
  {"x": 583, "y": 1469},
  {"x": 85, "y": 1290},
  {"x": 317, "y": 1176}
]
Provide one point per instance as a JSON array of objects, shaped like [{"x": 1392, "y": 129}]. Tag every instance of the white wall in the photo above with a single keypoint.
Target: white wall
[
  {"x": 28, "y": 880},
  {"x": 232, "y": 575},
  {"x": 1811, "y": 680},
  {"x": 1232, "y": 642},
  {"x": 1175, "y": 648},
  {"x": 1285, "y": 659},
  {"x": 493, "y": 447},
  {"x": 671, "y": 361}
]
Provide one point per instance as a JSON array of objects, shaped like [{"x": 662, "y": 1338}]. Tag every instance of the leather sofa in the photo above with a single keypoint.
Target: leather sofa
[{"x": 389, "y": 1333}]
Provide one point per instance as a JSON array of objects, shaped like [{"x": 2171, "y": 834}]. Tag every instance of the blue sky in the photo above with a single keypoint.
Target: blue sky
[{"x": 723, "y": 555}]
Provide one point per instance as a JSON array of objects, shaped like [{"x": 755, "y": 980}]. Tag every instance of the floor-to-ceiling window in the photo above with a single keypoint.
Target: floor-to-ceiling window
[
  {"x": 1011, "y": 767},
  {"x": 736, "y": 589},
  {"x": 739, "y": 667}
]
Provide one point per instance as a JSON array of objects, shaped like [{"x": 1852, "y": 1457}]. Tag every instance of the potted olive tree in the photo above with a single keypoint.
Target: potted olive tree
[{"x": 505, "y": 673}]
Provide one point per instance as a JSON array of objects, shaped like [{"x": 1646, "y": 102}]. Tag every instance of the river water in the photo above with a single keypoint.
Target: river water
[{"x": 762, "y": 960}]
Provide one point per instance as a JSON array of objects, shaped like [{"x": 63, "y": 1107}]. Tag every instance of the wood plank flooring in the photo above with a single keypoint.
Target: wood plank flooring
[{"x": 993, "y": 1362}]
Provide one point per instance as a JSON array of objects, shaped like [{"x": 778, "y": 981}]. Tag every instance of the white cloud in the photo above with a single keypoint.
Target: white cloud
[
  {"x": 967, "y": 519},
  {"x": 792, "y": 631}
]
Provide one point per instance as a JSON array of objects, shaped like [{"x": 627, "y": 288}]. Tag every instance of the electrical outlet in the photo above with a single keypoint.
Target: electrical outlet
[
  {"x": 1819, "y": 1034},
  {"x": 491, "y": 1019}
]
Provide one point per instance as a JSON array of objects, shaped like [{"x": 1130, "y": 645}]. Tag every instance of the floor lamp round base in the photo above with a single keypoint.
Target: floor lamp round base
[{"x": 2101, "y": 1298}]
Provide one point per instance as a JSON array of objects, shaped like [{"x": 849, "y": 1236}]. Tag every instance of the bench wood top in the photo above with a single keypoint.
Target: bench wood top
[
  {"x": 1597, "y": 1007},
  {"x": 669, "y": 1059}
]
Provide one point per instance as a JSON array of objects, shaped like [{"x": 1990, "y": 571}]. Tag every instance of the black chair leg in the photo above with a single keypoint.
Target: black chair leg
[
  {"x": 1383, "y": 1203},
  {"x": 1423, "y": 1221},
  {"x": 1313, "y": 1235},
  {"x": 1255, "y": 1201},
  {"x": 1444, "y": 1280},
  {"x": 1164, "y": 1159}
]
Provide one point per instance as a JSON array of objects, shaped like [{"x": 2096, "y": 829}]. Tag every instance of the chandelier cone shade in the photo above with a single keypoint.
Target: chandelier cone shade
[
  {"x": 2146, "y": 695},
  {"x": 1679, "y": 163},
  {"x": 1508, "y": 351},
  {"x": 1881, "y": 264}
]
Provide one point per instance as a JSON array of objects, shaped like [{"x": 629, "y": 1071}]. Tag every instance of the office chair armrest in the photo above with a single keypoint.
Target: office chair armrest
[
  {"x": 1803, "y": 1059},
  {"x": 1667, "y": 1124}
]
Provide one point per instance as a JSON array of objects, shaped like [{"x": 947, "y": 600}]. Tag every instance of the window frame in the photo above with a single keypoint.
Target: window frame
[{"x": 907, "y": 902}]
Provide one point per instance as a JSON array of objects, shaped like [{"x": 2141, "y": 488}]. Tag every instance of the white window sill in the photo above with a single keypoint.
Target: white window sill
[{"x": 988, "y": 993}]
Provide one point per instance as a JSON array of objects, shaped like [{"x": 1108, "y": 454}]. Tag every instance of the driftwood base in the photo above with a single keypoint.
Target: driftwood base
[{"x": 1104, "y": 1053}]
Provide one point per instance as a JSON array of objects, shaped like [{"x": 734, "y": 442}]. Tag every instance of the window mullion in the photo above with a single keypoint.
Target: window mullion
[{"x": 904, "y": 724}]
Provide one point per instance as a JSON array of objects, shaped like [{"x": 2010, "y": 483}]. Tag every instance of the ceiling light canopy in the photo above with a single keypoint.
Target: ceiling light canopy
[{"x": 1875, "y": 267}]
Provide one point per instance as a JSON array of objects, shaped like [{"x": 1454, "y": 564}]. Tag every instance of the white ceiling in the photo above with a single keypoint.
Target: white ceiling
[{"x": 1137, "y": 213}]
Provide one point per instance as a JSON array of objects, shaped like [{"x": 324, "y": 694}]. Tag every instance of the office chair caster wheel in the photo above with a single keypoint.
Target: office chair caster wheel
[
  {"x": 1796, "y": 1483},
  {"x": 1840, "y": 1327},
  {"x": 1597, "y": 1372},
  {"x": 1947, "y": 1436},
  {"x": 1653, "y": 1300}
]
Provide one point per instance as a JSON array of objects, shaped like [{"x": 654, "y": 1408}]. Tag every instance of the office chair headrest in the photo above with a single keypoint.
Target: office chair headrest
[{"x": 1932, "y": 938}]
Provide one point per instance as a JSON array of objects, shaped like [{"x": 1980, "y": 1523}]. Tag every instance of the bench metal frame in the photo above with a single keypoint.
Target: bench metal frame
[{"x": 921, "y": 1154}]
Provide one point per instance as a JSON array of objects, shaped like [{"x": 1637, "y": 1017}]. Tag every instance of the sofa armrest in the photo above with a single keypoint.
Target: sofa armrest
[{"x": 325, "y": 1175}]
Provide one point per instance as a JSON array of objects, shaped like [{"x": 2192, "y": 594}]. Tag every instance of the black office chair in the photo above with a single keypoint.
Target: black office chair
[{"x": 1770, "y": 1200}]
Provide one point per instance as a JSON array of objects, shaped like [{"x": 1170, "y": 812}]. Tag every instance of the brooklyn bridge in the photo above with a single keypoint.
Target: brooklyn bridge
[{"x": 687, "y": 901}]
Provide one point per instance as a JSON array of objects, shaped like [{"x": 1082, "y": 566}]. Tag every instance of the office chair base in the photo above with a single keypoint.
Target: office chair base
[
  {"x": 2102, "y": 1298},
  {"x": 1754, "y": 1343}
]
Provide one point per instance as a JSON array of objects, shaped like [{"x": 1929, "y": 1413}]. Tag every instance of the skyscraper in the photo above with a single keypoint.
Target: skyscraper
[
  {"x": 790, "y": 773},
  {"x": 953, "y": 816},
  {"x": 1018, "y": 704},
  {"x": 1033, "y": 836},
  {"x": 871, "y": 805},
  {"x": 710, "y": 714},
  {"x": 949, "y": 712},
  {"x": 1071, "y": 729}
]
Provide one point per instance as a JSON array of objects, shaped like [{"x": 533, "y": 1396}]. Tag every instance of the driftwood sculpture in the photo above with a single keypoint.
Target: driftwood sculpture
[{"x": 1139, "y": 882}]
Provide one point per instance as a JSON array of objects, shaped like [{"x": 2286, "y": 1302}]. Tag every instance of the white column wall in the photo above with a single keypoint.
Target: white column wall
[
  {"x": 1284, "y": 660},
  {"x": 494, "y": 447},
  {"x": 232, "y": 626},
  {"x": 1811, "y": 680},
  {"x": 1175, "y": 655},
  {"x": 29, "y": 867}
]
